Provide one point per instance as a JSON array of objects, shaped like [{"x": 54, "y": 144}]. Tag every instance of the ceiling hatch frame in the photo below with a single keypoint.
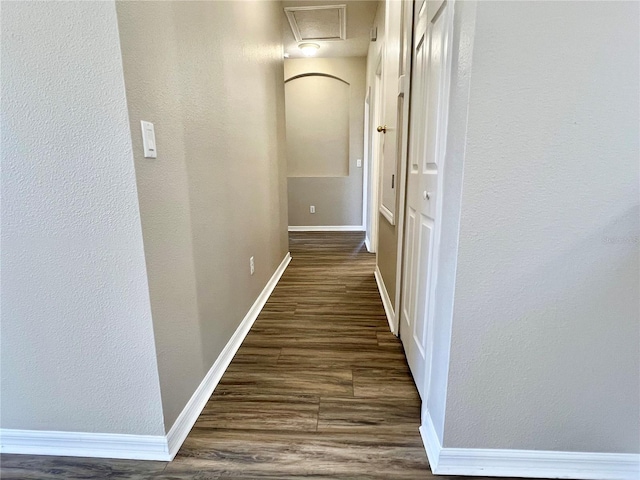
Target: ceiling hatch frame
[{"x": 342, "y": 11}]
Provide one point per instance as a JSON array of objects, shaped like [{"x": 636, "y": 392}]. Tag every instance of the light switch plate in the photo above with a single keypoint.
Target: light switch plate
[{"x": 148, "y": 140}]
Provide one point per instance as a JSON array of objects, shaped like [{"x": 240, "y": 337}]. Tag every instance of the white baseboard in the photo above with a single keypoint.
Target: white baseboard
[
  {"x": 367, "y": 244},
  {"x": 326, "y": 228},
  {"x": 431, "y": 442},
  {"x": 386, "y": 301},
  {"x": 527, "y": 463},
  {"x": 81, "y": 444},
  {"x": 191, "y": 411},
  {"x": 141, "y": 447}
]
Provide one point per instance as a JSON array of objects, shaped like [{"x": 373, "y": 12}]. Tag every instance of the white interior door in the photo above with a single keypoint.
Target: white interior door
[
  {"x": 427, "y": 134},
  {"x": 373, "y": 184},
  {"x": 391, "y": 119}
]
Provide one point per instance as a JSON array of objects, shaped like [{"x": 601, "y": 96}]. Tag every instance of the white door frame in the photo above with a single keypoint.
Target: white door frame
[
  {"x": 407, "y": 22},
  {"x": 374, "y": 160},
  {"x": 443, "y": 118},
  {"x": 365, "y": 169}
]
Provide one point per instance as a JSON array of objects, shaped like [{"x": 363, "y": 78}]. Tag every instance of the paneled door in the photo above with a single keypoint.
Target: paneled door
[{"x": 427, "y": 135}]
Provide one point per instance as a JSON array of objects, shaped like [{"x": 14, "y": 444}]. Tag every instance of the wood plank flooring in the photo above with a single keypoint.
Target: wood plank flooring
[{"x": 319, "y": 389}]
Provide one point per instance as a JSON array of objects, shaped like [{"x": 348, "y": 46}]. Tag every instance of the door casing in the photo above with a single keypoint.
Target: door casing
[
  {"x": 405, "y": 85},
  {"x": 372, "y": 190}
]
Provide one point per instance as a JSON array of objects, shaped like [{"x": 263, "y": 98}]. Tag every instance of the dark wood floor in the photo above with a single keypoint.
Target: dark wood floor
[{"x": 319, "y": 389}]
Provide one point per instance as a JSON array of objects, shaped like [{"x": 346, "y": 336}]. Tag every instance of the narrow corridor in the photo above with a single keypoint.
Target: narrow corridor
[{"x": 320, "y": 387}]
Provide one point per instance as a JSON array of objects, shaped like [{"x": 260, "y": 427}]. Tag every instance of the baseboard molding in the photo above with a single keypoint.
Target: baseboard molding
[
  {"x": 527, "y": 463},
  {"x": 141, "y": 447},
  {"x": 431, "y": 442},
  {"x": 326, "y": 228},
  {"x": 386, "y": 301},
  {"x": 183, "y": 424},
  {"x": 81, "y": 444},
  {"x": 367, "y": 244}
]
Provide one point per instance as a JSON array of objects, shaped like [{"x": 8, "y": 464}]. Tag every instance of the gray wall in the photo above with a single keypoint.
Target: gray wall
[
  {"x": 545, "y": 339},
  {"x": 317, "y": 123},
  {"x": 77, "y": 339},
  {"x": 210, "y": 77},
  {"x": 387, "y": 255},
  {"x": 338, "y": 200}
]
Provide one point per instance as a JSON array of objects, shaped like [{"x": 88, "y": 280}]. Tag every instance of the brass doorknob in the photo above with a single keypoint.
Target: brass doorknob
[{"x": 382, "y": 129}]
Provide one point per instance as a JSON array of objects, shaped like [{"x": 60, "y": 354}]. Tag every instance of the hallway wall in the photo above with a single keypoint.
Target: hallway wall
[
  {"x": 338, "y": 199},
  {"x": 77, "y": 342},
  {"x": 209, "y": 75},
  {"x": 545, "y": 346}
]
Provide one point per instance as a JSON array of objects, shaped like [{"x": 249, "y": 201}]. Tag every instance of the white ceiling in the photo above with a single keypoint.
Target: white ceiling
[{"x": 360, "y": 16}]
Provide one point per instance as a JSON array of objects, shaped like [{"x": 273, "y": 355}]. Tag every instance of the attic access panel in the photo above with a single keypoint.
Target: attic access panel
[{"x": 323, "y": 22}]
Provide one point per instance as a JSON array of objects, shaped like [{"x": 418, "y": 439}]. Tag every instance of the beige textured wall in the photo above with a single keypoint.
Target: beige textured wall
[
  {"x": 209, "y": 76},
  {"x": 77, "y": 339},
  {"x": 387, "y": 257},
  {"x": 317, "y": 119},
  {"x": 338, "y": 200},
  {"x": 545, "y": 346}
]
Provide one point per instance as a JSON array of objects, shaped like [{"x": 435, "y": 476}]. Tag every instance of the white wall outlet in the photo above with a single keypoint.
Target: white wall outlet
[
  {"x": 252, "y": 266},
  {"x": 312, "y": 209},
  {"x": 359, "y": 163}
]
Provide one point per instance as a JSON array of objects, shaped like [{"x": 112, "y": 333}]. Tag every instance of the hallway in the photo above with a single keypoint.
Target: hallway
[
  {"x": 156, "y": 156},
  {"x": 320, "y": 388}
]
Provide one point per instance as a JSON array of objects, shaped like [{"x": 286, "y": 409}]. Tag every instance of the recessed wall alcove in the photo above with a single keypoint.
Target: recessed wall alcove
[{"x": 317, "y": 119}]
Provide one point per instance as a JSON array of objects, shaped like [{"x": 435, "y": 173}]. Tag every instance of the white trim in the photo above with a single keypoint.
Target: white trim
[
  {"x": 386, "y": 213},
  {"x": 82, "y": 444},
  {"x": 527, "y": 463},
  {"x": 375, "y": 153},
  {"x": 405, "y": 83},
  {"x": 326, "y": 228},
  {"x": 365, "y": 161},
  {"x": 194, "y": 406},
  {"x": 441, "y": 144},
  {"x": 293, "y": 23},
  {"x": 141, "y": 447},
  {"x": 367, "y": 243},
  {"x": 386, "y": 301},
  {"x": 430, "y": 441}
]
